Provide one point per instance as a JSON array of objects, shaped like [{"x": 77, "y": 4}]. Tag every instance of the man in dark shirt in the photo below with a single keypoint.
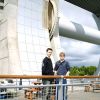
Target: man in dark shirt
[
  {"x": 47, "y": 69},
  {"x": 62, "y": 68}
]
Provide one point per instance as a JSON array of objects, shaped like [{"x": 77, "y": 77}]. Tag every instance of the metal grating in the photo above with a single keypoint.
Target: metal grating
[
  {"x": 1, "y": 1},
  {"x": 90, "y": 5},
  {"x": 1, "y": 4}
]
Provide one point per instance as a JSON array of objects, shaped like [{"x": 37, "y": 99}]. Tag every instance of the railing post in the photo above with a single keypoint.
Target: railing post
[
  {"x": 72, "y": 88},
  {"x": 20, "y": 83}
]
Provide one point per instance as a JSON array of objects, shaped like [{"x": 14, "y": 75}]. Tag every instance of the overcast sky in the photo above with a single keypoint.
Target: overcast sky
[{"x": 80, "y": 53}]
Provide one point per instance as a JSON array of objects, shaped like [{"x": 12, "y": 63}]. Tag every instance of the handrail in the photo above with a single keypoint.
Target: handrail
[
  {"x": 70, "y": 77},
  {"x": 44, "y": 77},
  {"x": 48, "y": 85}
]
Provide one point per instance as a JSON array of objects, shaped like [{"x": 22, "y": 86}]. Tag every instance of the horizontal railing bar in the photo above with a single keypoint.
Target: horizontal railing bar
[
  {"x": 44, "y": 77},
  {"x": 40, "y": 86},
  {"x": 79, "y": 77}
]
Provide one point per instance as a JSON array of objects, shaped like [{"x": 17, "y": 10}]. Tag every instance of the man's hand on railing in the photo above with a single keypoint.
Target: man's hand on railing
[
  {"x": 67, "y": 74},
  {"x": 55, "y": 72}
]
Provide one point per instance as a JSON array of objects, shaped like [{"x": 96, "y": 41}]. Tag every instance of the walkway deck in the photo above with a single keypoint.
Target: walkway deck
[
  {"x": 80, "y": 95},
  {"x": 76, "y": 95}
]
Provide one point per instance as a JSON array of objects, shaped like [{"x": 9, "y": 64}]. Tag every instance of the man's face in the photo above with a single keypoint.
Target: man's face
[
  {"x": 62, "y": 57},
  {"x": 49, "y": 53}
]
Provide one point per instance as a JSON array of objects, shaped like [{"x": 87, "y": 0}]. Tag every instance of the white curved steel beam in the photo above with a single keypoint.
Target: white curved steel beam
[{"x": 78, "y": 31}]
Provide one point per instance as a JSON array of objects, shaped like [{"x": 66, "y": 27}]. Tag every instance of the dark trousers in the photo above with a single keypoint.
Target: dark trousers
[{"x": 47, "y": 91}]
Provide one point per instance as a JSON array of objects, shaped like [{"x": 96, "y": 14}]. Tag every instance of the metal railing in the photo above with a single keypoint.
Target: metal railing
[{"x": 35, "y": 90}]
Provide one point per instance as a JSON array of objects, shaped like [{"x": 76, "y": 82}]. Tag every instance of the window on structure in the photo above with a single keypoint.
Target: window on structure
[{"x": 50, "y": 15}]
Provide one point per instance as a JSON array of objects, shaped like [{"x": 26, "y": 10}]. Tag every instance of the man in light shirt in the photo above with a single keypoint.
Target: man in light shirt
[{"x": 62, "y": 68}]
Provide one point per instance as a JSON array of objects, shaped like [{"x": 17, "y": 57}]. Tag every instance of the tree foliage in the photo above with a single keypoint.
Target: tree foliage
[{"x": 83, "y": 70}]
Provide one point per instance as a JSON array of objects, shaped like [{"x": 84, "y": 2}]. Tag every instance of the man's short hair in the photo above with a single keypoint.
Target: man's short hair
[
  {"x": 62, "y": 53},
  {"x": 48, "y": 49}
]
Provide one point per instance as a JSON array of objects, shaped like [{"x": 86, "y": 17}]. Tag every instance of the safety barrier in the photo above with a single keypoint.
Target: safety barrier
[{"x": 25, "y": 87}]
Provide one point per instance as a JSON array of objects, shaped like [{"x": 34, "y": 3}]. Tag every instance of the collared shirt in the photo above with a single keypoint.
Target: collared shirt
[{"x": 62, "y": 67}]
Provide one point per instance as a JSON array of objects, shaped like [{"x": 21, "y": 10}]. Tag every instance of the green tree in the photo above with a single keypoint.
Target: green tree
[{"x": 83, "y": 70}]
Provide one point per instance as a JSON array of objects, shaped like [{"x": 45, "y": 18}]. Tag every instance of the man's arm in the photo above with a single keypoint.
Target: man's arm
[
  {"x": 44, "y": 67},
  {"x": 68, "y": 69},
  {"x": 56, "y": 68}
]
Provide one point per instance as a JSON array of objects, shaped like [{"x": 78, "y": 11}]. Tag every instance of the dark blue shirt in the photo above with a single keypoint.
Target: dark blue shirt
[{"x": 62, "y": 67}]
